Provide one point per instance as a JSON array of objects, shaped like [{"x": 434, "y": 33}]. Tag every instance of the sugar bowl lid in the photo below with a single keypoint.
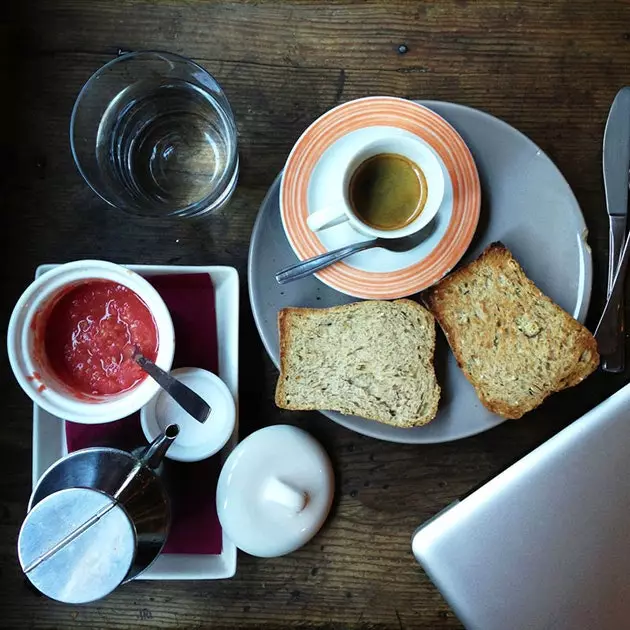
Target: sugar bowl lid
[{"x": 275, "y": 491}]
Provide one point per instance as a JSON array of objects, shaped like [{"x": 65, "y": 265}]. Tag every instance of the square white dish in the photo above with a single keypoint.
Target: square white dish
[{"x": 49, "y": 440}]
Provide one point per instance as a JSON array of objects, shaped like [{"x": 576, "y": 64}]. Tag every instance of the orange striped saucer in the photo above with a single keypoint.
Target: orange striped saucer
[{"x": 317, "y": 158}]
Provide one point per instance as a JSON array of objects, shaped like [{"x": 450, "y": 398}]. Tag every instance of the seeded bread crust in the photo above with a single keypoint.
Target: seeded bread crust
[
  {"x": 371, "y": 359},
  {"x": 513, "y": 343}
]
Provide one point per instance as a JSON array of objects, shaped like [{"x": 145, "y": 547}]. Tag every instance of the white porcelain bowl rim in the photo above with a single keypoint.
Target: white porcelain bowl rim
[
  {"x": 24, "y": 365},
  {"x": 203, "y": 450}
]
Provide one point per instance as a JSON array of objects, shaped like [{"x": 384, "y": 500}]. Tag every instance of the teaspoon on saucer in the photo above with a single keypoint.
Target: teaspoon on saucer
[{"x": 311, "y": 265}]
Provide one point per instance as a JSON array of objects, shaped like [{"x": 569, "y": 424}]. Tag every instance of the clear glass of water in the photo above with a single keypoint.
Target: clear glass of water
[{"x": 153, "y": 134}]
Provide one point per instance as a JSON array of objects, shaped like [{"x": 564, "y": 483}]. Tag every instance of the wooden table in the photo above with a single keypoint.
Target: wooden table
[{"x": 551, "y": 69}]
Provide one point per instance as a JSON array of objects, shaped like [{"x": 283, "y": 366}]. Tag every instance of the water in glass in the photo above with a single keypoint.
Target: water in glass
[{"x": 164, "y": 143}]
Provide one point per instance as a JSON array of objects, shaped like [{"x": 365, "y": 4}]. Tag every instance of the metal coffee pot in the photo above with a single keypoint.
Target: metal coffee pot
[{"x": 97, "y": 518}]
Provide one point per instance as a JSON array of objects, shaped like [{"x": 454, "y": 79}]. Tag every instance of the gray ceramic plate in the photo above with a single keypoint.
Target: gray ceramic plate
[{"x": 526, "y": 203}]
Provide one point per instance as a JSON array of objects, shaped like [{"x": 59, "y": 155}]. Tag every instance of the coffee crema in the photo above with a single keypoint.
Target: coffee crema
[{"x": 388, "y": 191}]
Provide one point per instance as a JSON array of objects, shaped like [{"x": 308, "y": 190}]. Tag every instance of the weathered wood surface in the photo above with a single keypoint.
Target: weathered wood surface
[{"x": 550, "y": 69}]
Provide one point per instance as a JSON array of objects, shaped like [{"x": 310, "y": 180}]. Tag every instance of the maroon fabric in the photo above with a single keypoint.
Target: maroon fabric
[{"x": 195, "y": 528}]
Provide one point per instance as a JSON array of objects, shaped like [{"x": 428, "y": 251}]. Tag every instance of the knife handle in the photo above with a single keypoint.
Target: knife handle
[
  {"x": 605, "y": 334},
  {"x": 614, "y": 361}
]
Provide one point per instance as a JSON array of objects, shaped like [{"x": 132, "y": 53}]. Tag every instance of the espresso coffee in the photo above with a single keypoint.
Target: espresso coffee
[{"x": 388, "y": 191}]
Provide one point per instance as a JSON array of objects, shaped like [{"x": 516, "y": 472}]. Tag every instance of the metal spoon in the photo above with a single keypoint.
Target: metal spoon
[
  {"x": 188, "y": 400},
  {"x": 311, "y": 265}
]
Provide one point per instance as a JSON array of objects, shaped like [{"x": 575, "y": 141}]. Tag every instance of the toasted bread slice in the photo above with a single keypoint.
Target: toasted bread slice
[
  {"x": 513, "y": 343},
  {"x": 370, "y": 359}
]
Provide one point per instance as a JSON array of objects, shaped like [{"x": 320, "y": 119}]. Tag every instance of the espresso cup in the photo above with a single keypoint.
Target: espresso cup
[{"x": 413, "y": 150}]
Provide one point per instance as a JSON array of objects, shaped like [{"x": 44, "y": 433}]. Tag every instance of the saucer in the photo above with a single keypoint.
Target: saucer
[{"x": 312, "y": 171}]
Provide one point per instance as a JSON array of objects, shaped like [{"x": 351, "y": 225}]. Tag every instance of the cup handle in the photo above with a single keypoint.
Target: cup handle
[{"x": 325, "y": 218}]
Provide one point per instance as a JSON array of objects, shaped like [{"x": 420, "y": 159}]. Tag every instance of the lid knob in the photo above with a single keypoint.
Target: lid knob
[{"x": 284, "y": 494}]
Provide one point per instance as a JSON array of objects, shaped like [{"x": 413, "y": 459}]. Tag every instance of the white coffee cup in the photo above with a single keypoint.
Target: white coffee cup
[{"x": 341, "y": 210}]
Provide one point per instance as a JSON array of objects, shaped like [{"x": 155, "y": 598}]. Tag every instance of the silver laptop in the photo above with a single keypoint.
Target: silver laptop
[{"x": 545, "y": 544}]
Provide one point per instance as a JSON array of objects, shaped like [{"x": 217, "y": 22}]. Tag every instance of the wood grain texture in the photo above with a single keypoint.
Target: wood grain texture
[{"x": 549, "y": 68}]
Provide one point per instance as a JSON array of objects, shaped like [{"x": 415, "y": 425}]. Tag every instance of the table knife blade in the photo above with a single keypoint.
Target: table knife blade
[
  {"x": 616, "y": 162},
  {"x": 616, "y": 154}
]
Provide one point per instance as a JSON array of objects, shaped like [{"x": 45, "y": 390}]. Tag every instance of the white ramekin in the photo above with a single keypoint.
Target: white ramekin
[
  {"x": 196, "y": 441},
  {"x": 35, "y": 377}
]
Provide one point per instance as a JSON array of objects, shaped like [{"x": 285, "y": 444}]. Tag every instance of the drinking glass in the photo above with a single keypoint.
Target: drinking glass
[{"x": 153, "y": 134}]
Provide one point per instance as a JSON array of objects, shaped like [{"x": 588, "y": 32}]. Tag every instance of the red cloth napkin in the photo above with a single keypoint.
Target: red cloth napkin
[{"x": 195, "y": 527}]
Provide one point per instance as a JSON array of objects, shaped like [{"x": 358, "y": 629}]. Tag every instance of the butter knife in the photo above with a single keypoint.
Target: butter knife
[
  {"x": 616, "y": 162},
  {"x": 605, "y": 333}
]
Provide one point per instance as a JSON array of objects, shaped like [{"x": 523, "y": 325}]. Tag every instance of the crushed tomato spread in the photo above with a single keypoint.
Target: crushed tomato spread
[{"x": 91, "y": 333}]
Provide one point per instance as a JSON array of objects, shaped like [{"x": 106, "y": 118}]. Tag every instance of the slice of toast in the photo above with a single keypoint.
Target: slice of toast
[
  {"x": 513, "y": 343},
  {"x": 370, "y": 359}
]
